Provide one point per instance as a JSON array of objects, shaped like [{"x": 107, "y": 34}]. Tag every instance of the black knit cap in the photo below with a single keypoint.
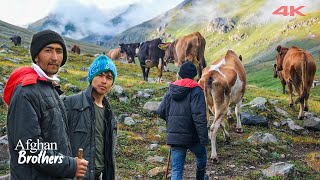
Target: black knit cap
[
  {"x": 188, "y": 70},
  {"x": 43, "y": 38}
]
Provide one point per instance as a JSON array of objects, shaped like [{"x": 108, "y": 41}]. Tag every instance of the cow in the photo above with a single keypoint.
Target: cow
[
  {"x": 151, "y": 56},
  {"x": 115, "y": 54},
  {"x": 224, "y": 83},
  {"x": 75, "y": 49},
  {"x": 16, "y": 40},
  {"x": 131, "y": 50},
  {"x": 298, "y": 69},
  {"x": 186, "y": 48},
  {"x": 278, "y": 74}
]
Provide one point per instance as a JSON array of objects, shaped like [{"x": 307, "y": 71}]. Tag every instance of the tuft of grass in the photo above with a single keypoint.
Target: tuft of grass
[{"x": 313, "y": 161}]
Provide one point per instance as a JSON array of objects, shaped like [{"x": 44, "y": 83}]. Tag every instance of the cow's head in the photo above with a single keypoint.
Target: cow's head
[
  {"x": 121, "y": 48},
  {"x": 168, "y": 56},
  {"x": 281, "y": 52}
]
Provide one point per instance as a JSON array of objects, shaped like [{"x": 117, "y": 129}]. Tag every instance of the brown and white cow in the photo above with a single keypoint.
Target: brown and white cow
[
  {"x": 224, "y": 83},
  {"x": 115, "y": 54},
  {"x": 186, "y": 48},
  {"x": 298, "y": 69}
]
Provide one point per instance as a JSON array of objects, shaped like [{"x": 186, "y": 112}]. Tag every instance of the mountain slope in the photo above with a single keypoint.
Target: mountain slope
[
  {"x": 7, "y": 30},
  {"x": 248, "y": 27}
]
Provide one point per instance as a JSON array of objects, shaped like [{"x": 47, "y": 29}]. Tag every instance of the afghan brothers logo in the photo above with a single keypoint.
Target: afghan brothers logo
[{"x": 37, "y": 152}]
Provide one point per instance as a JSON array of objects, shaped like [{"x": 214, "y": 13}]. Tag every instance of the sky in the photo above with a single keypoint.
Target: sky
[{"x": 23, "y": 12}]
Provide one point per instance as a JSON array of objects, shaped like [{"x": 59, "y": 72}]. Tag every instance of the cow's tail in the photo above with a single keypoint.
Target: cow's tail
[
  {"x": 304, "y": 67},
  {"x": 201, "y": 50}
]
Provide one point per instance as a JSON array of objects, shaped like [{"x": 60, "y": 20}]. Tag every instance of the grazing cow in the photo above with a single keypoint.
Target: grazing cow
[
  {"x": 115, "y": 54},
  {"x": 16, "y": 40},
  {"x": 298, "y": 69},
  {"x": 131, "y": 50},
  {"x": 151, "y": 56},
  {"x": 278, "y": 74},
  {"x": 186, "y": 48},
  {"x": 224, "y": 83},
  {"x": 75, "y": 49}
]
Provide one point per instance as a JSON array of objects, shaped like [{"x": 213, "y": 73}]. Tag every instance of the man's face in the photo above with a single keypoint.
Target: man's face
[
  {"x": 102, "y": 83},
  {"x": 50, "y": 58}
]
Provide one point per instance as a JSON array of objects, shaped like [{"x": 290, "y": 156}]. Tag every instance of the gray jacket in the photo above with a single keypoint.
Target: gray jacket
[
  {"x": 36, "y": 113},
  {"x": 81, "y": 122}
]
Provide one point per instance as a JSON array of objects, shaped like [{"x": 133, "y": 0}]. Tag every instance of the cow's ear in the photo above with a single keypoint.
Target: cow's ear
[
  {"x": 279, "y": 48},
  {"x": 240, "y": 57},
  {"x": 275, "y": 65},
  {"x": 162, "y": 46}
]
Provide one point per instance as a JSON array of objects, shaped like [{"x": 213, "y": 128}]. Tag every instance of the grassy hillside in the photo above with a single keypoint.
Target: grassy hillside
[{"x": 132, "y": 141}]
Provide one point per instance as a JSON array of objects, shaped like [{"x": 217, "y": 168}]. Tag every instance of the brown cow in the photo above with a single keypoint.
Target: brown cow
[
  {"x": 115, "y": 54},
  {"x": 224, "y": 83},
  {"x": 186, "y": 48},
  {"x": 75, "y": 49},
  {"x": 297, "y": 68},
  {"x": 278, "y": 74}
]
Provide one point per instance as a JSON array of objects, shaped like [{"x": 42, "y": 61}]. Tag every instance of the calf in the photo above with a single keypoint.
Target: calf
[
  {"x": 298, "y": 69},
  {"x": 115, "y": 54},
  {"x": 224, "y": 83}
]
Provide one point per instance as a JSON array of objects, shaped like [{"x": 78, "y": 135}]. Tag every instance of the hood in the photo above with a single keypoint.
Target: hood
[
  {"x": 23, "y": 75},
  {"x": 179, "y": 89}
]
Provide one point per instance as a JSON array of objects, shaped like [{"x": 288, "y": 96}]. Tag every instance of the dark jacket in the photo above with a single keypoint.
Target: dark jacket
[
  {"x": 184, "y": 110},
  {"x": 81, "y": 121},
  {"x": 37, "y": 113}
]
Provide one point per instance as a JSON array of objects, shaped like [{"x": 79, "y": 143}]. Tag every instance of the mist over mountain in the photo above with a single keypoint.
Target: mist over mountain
[{"x": 95, "y": 24}]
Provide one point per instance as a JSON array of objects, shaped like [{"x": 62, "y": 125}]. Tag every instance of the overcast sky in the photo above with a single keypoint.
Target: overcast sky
[{"x": 23, "y": 12}]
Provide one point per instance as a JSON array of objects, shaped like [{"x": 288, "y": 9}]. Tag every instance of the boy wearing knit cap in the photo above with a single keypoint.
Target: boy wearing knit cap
[
  {"x": 36, "y": 117},
  {"x": 92, "y": 126},
  {"x": 184, "y": 110}
]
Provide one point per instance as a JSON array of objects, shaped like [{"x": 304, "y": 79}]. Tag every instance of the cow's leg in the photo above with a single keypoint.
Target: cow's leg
[
  {"x": 214, "y": 131},
  {"x": 300, "y": 100},
  {"x": 306, "y": 106},
  {"x": 147, "y": 73},
  {"x": 132, "y": 60},
  {"x": 283, "y": 87},
  {"x": 160, "y": 69},
  {"x": 143, "y": 72},
  {"x": 291, "y": 94},
  {"x": 225, "y": 132},
  {"x": 238, "y": 115}
]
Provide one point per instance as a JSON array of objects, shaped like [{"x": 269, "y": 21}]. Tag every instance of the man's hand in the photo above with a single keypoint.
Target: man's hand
[{"x": 81, "y": 167}]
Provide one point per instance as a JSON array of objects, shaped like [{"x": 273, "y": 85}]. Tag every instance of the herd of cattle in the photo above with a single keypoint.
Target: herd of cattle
[{"x": 223, "y": 81}]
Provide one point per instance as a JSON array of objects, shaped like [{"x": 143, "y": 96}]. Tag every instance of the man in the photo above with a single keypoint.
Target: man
[
  {"x": 37, "y": 133},
  {"x": 91, "y": 122},
  {"x": 184, "y": 110}
]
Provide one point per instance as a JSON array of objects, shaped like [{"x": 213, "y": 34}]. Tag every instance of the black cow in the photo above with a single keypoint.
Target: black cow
[
  {"x": 16, "y": 40},
  {"x": 130, "y": 50},
  {"x": 151, "y": 55}
]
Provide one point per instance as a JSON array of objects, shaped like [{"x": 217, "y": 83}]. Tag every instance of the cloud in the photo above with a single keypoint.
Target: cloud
[{"x": 92, "y": 19}]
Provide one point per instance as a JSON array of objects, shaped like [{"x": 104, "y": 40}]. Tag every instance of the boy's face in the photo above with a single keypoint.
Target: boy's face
[
  {"x": 50, "y": 58},
  {"x": 102, "y": 83}
]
